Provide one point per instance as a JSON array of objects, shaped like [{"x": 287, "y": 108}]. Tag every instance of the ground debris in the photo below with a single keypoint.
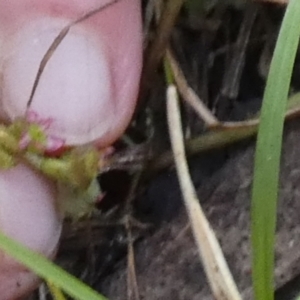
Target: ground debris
[{"x": 167, "y": 263}]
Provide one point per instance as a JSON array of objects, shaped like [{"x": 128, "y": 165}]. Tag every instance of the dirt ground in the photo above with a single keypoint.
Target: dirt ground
[{"x": 167, "y": 263}]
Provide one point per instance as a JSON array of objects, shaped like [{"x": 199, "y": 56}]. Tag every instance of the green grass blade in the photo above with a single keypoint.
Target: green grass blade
[
  {"x": 49, "y": 271},
  {"x": 268, "y": 150}
]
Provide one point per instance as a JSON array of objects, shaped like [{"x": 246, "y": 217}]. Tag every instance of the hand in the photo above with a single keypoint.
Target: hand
[{"x": 88, "y": 88}]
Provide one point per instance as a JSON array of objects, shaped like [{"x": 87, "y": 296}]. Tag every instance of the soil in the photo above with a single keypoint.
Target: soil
[{"x": 167, "y": 262}]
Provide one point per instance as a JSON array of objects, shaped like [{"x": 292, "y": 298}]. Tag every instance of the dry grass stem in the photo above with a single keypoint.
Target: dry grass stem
[
  {"x": 227, "y": 134},
  {"x": 132, "y": 284},
  {"x": 45, "y": 60},
  {"x": 233, "y": 74},
  {"x": 202, "y": 143},
  {"x": 42, "y": 293},
  {"x": 158, "y": 47},
  {"x": 290, "y": 114},
  {"x": 57, "y": 41},
  {"x": 189, "y": 95},
  {"x": 151, "y": 11},
  {"x": 217, "y": 271}
]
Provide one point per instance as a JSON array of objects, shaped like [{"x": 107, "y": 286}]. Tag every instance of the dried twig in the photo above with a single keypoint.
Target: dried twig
[
  {"x": 203, "y": 143},
  {"x": 228, "y": 134},
  {"x": 57, "y": 41},
  {"x": 220, "y": 278},
  {"x": 189, "y": 95},
  {"x": 149, "y": 13},
  {"x": 232, "y": 77},
  {"x": 132, "y": 284},
  {"x": 157, "y": 50},
  {"x": 42, "y": 293}
]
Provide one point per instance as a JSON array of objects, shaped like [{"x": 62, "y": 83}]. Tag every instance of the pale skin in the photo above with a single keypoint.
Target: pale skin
[
  {"x": 101, "y": 54},
  {"x": 89, "y": 89}
]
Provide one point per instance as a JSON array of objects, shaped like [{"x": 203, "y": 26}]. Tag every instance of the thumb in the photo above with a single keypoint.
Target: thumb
[{"x": 89, "y": 85}]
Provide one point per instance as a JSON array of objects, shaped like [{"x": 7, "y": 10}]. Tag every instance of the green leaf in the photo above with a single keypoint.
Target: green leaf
[
  {"x": 268, "y": 151},
  {"x": 48, "y": 270}
]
